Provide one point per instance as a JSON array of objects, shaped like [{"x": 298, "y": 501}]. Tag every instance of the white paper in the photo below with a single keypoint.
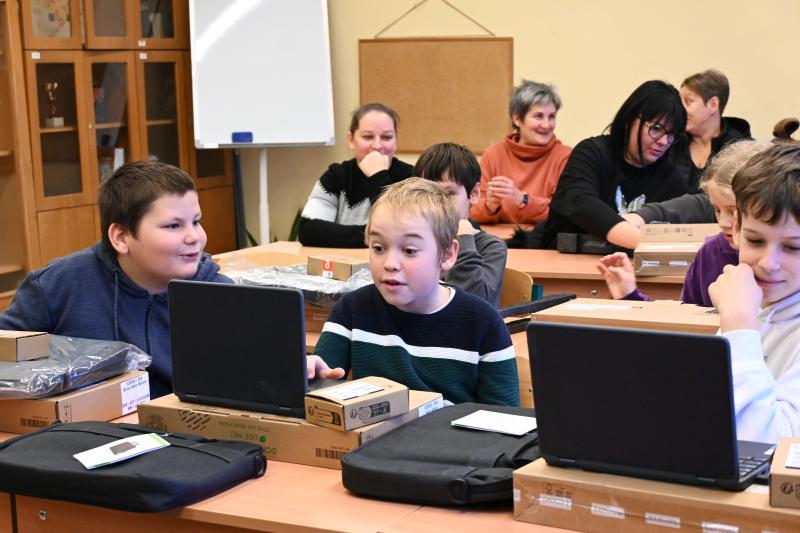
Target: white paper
[
  {"x": 120, "y": 450},
  {"x": 497, "y": 422},
  {"x": 793, "y": 457},
  {"x": 595, "y": 307},
  {"x": 353, "y": 389}
]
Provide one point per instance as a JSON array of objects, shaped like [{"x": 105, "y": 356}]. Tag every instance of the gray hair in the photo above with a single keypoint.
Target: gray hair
[{"x": 530, "y": 93}]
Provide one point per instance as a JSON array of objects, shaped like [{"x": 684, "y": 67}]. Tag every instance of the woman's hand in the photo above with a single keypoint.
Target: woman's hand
[
  {"x": 373, "y": 163},
  {"x": 502, "y": 188}
]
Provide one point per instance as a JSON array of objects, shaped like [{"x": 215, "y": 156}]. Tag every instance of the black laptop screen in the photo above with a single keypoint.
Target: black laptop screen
[{"x": 634, "y": 399}]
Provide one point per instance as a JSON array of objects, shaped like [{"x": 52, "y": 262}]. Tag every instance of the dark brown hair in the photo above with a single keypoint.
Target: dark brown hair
[
  {"x": 126, "y": 197},
  {"x": 359, "y": 113},
  {"x": 768, "y": 186},
  {"x": 708, "y": 84},
  {"x": 457, "y": 161}
]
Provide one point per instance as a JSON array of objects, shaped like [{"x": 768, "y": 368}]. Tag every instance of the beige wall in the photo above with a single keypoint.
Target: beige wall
[{"x": 595, "y": 51}]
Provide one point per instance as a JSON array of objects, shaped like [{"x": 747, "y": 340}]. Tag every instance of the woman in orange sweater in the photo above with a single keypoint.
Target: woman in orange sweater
[{"x": 519, "y": 174}]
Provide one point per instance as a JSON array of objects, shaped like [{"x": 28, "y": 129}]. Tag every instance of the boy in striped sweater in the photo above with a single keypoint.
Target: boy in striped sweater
[{"x": 410, "y": 327}]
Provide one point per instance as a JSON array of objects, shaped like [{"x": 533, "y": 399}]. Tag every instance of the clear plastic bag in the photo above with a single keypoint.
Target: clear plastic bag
[
  {"x": 317, "y": 291},
  {"x": 73, "y": 363}
]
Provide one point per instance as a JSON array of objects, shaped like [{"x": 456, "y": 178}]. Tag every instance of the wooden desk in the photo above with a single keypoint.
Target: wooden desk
[
  {"x": 289, "y": 497},
  {"x": 554, "y": 271},
  {"x": 504, "y": 231}
]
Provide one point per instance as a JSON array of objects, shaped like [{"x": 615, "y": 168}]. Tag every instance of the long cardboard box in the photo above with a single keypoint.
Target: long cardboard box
[
  {"x": 291, "y": 440},
  {"x": 334, "y": 266},
  {"x": 587, "y": 501},
  {"x": 23, "y": 345},
  {"x": 669, "y": 249},
  {"x": 104, "y": 401},
  {"x": 660, "y": 315}
]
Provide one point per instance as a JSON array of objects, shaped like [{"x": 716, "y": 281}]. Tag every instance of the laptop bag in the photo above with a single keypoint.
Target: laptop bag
[
  {"x": 429, "y": 462},
  {"x": 41, "y": 465}
]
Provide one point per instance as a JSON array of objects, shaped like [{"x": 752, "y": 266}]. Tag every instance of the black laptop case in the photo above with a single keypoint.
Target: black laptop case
[
  {"x": 430, "y": 462},
  {"x": 41, "y": 465}
]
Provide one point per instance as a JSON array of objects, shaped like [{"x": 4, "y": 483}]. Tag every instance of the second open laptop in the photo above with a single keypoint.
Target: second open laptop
[
  {"x": 650, "y": 404},
  {"x": 241, "y": 346}
]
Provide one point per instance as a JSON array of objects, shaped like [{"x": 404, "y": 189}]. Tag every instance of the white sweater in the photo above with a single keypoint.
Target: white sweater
[{"x": 766, "y": 373}]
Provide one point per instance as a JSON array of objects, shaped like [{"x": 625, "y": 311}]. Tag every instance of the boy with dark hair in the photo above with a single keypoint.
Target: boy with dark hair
[
  {"x": 116, "y": 290},
  {"x": 481, "y": 256},
  {"x": 408, "y": 326},
  {"x": 759, "y": 299}
]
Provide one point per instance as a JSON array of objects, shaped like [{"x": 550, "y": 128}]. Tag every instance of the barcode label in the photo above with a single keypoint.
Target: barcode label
[
  {"x": 33, "y": 423},
  {"x": 329, "y": 454}
]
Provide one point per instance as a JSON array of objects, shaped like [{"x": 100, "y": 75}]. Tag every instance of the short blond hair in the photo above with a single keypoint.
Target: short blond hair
[
  {"x": 728, "y": 161},
  {"x": 426, "y": 199}
]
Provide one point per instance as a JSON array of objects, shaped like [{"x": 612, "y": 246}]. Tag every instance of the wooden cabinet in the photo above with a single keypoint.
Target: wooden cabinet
[
  {"x": 137, "y": 24},
  {"x": 97, "y": 87}
]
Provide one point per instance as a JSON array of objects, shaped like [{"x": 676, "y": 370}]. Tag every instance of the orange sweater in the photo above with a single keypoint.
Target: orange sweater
[{"x": 534, "y": 169}]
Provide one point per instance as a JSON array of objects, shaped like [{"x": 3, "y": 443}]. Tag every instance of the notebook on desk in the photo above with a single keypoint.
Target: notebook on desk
[
  {"x": 650, "y": 404},
  {"x": 240, "y": 346}
]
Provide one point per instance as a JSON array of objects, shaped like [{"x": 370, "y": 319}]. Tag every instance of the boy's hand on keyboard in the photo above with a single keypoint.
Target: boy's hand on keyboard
[{"x": 316, "y": 367}]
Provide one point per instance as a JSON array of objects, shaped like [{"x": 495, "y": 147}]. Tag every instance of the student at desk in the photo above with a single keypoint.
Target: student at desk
[
  {"x": 408, "y": 326},
  {"x": 481, "y": 256},
  {"x": 609, "y": 175},
  {"x": 337, "y": 208},
  {"x": 759, "y": 299},
  {"x": 714, "y": 254},
  {"x": 116, "y": 290}
]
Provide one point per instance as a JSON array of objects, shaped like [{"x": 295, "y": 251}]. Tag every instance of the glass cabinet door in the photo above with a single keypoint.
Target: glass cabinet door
[
  {"x": 51, "y": 24},
  {"x": 109, "y": 24},
  {"x": 58, "y": 123},
  {"x": 161, "y": 97},
  {"x": 162, "y": 24},
  {"x": 112, "y": 104}
]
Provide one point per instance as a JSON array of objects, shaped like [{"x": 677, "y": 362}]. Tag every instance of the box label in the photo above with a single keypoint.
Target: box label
[
  {"x": 556, "y": 502},
  {"x": 327, "y": 269},
  {"x": 793, "y": 456},
  {"x": 655, "y": 519},
  {"x": 714, "y": 527},
  {"x": 133, "y": 392},
  {"x": 609, "y": 511},
  {"x": 517, "y": 495},
  {"x": 354, "y": 389},
  {"x": 431, "y": 407}
]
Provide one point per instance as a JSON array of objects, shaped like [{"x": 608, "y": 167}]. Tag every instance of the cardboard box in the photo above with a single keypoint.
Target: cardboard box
[
  {"x": 784, "y": 477},
  {"x": 356, "y": 403},
  {"x": 316, "y": 315},
  {"x": 669, "y": 249},
  {"x": 104, "y": 401},
  {"x": 335, "y": 266},
  {"x": 291, "y": 440},
  {"x": 23, "y": 345},
  {"x": 586, "y": 501},
  {"x": 660, "y": 315}
]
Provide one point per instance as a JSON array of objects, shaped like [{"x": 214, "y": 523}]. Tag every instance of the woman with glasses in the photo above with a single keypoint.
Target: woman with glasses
[{"x": 609, "y": 175}]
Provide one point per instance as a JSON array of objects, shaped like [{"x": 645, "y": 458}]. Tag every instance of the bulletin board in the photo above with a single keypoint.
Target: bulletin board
[{"x": 444, "y": 89}]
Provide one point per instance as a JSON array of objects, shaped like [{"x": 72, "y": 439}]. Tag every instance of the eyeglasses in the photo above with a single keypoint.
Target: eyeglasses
[{"x": 656, "y": 131}]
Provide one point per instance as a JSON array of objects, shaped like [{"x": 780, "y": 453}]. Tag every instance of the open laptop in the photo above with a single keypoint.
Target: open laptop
[
  {"x": 241, "y": 346},
  {"x": 650, "y": 404}
]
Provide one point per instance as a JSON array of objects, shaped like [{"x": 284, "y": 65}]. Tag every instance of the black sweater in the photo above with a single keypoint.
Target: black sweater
[
  {"x": 585, "y": 199},
  {"x": 337, "y": 209}
]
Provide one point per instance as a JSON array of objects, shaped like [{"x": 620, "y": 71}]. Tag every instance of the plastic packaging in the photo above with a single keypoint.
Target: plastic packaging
[
  {"x": 73, "y": 363},
  {"x": 317, "y": 291}
]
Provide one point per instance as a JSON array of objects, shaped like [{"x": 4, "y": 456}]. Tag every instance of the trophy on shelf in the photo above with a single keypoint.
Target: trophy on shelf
[{"x": 53, "y": 120}]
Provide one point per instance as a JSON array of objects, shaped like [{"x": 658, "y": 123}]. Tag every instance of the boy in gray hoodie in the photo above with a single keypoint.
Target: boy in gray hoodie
[{"x": 116, "y": 289}]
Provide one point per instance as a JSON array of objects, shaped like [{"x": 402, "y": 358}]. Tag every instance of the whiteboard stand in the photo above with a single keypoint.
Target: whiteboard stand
[
  {"x": 238, "y": 202},
  {"x": 263, "y": 201}
]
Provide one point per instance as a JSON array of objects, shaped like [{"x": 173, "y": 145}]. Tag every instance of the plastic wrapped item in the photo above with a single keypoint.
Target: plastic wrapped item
[
  {"x": 73, "y": 363},
  {"x": 318, "y": 291}
]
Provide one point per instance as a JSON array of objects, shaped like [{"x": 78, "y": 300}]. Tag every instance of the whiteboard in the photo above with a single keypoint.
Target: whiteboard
[{"x": 261, "y": 73}]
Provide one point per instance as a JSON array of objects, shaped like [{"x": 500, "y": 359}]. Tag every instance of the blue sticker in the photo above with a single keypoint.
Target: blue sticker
[{"x": 242, "y": 137}]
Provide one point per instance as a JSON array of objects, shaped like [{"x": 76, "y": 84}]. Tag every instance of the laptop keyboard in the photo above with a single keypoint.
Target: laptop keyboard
[{"x": 748, "y": 465}]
